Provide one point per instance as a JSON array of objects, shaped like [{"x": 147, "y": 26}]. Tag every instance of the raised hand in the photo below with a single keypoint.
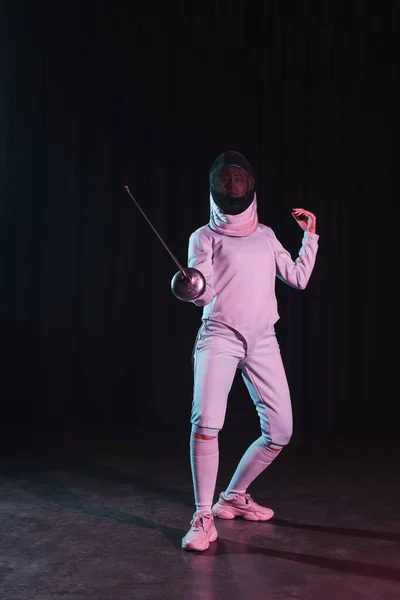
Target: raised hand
[{"x": 306, "y": 219}]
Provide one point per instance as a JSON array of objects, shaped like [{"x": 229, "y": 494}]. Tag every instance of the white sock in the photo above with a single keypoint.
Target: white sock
[
  {"x": 254, "y": 461},
  {"x": 204, "y": 458}
]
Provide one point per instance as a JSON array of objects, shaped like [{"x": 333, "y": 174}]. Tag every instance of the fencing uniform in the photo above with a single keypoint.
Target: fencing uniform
[
  {"x": 240, "y": 260},
  {"x": 239, "y": 314}
]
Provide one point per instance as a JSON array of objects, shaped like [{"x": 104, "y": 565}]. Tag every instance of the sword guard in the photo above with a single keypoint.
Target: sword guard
[{"x": 190, "y": 288}]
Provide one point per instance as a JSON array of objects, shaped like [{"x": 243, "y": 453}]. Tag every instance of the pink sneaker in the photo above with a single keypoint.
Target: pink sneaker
[
  {"x": 240, "y": 505},
  {"x": 201, "y": 533}
]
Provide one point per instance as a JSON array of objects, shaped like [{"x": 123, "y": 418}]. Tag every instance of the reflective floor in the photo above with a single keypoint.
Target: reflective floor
[{"x": 102, "y": 519}]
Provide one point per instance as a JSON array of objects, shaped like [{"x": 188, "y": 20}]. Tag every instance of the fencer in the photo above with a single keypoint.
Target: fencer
[{"x": 240, "y": 259}]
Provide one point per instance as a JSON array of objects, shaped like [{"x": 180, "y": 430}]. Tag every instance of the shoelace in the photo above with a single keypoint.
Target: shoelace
[
  {"x": 199, "y": 520},
  {"x": 246, "y": 497}
]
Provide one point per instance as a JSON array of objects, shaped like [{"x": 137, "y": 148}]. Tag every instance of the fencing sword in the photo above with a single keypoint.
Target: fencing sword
[{"x": 187, "y": 284}]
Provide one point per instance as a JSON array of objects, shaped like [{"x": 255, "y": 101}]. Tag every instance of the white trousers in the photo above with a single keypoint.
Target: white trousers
[{"x": 218, "y": 352}]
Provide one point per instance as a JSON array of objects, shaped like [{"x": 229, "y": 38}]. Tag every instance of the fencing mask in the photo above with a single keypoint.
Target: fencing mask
[{"x": 232, "y": 183}]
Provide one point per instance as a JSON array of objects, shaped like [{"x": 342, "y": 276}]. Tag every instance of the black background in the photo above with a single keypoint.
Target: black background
[{"x": 95, "y": 95}]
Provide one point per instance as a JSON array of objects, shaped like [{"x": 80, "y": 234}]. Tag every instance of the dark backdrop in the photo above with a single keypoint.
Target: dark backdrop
[{"x": 94, "y": 95}]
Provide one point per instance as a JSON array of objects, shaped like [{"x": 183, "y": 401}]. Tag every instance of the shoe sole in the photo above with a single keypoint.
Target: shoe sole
[
  {"x": 191, "y": 548},
  {"x": 247, "y": 516}
]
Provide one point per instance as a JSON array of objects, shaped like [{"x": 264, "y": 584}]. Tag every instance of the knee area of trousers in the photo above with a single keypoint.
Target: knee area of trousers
[
  {"x": 204, "y": 433},
  {"x": 277, "y": 441},
  {"x": 271, "y": 445}
]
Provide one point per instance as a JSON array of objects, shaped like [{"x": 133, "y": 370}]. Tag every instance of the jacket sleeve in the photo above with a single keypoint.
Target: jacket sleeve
[
  {"x": 200, "y": 257},
  {"x": 296, "y": 273}
]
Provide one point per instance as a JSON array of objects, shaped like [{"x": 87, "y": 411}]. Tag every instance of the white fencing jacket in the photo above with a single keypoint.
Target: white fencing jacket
[{"x": 240, "y": 260}]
